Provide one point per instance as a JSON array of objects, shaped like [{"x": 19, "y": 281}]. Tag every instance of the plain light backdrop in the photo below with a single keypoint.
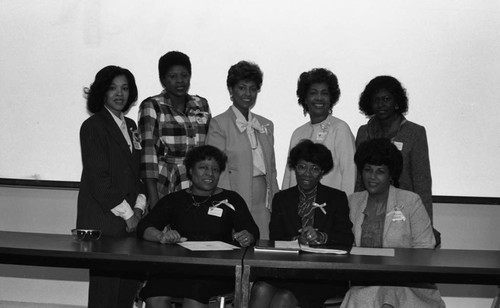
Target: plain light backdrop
[{"x": 446, "y": 53}]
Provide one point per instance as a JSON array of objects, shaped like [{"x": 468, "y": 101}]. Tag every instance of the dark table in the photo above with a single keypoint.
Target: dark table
[
  {"x": 408, "y": 265},
  {"x": 142, "y": 257},
  {"x": 136, "y": 256}
]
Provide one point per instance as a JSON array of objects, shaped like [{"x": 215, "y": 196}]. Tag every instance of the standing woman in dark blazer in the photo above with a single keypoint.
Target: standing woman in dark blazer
[
  {"x": 110, "y": 197},
  {"x": 385, "y": 102}
]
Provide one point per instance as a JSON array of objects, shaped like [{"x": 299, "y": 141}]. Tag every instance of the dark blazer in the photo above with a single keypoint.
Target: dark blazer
[
  {"x": 416, "y": 173},
  {"x": 110, "y": 174},
  {"x": 285, "y": 220}
]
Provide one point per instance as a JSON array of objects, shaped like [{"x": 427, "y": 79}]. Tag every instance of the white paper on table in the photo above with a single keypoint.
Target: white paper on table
[
  {"x": 364, "y": 251},
  {"x": 207, "y": 245}
]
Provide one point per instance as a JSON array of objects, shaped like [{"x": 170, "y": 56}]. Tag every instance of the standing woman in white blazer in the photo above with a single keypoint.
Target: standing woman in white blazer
[
  {"x": 318, "y": 92},
  {"x": 248, "y": 141}
]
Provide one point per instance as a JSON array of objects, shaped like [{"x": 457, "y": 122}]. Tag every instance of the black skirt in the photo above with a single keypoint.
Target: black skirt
[
  {"x": 185, "y": 286},
  {"x": 311, "y": 294}
]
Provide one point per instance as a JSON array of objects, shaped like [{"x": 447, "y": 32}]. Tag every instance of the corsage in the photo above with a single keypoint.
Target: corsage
[
  {"x": 136, "y": 139},
  {"x": 263, "y": 129},
  {"x": 201, "y": 117},
  {"x": 320, "y": 206},
  {"x": 224, "y": 202}
]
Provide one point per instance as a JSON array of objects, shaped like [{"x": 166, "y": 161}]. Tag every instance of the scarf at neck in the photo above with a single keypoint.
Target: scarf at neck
[{"x": 306, "y": 208}]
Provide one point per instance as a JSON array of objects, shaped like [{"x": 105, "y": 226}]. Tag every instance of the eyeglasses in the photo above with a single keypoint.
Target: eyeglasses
[
  {"x": 313, "y": 169},
  {"x": 86, "y": 234}
]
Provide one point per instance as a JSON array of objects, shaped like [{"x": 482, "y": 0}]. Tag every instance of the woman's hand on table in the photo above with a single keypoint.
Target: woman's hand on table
[
  {"x": 244, "y": 238},
  {"x": 132, "y": 223},
  {"x": 308, "y": 235},
  {"x": 170, "y": 237}
]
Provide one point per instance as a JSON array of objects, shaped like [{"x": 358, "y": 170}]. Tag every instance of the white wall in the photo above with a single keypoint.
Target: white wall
[
  {"x": 54, "y": 211},
  {"x": 445, "y": 52},
  {"x": 40, "y": 211}
]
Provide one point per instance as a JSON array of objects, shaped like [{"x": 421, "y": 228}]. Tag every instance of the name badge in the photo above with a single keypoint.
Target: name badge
[
  {"x": 321, "y": 135},
  {"x": 398, "y": 145},
  {"x": 215, "y": 211},
  {"x": 398, "y": 216}
]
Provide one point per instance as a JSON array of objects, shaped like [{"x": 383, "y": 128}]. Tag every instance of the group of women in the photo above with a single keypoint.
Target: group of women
[{"x": 215, "y": 179}]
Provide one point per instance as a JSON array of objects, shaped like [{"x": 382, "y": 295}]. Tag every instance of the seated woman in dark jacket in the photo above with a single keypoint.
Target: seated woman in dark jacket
[
  {"x": 312, "y": 213},
  {"x": 203, "y": 212}
]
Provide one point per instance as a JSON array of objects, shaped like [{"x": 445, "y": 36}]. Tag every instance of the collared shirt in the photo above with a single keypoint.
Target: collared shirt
[
  {"x": 124, "y": 210},
  {"x": 167, "y": 135},
  {"x": 259, "y": 167},
  {"x": 122, "y": 125},
  {"x": 372, "y": 228}
]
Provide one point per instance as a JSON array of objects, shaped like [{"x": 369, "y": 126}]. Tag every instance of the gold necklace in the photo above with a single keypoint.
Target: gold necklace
[{"x": 195, "y": 203}]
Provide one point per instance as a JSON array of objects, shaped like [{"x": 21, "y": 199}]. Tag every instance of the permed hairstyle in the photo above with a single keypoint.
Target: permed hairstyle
[
  {"x": 390, "y": 84},
  {"x": 170, "y": 59},
  {"x": 96, "y": 93},
  {"x": 243, "y": 71},
  {"x": 317, "y": 75},
  {"x": 311, "y": 152},
  {"x": 203, "y": 152},
  {"x": 378, "y": 152}
]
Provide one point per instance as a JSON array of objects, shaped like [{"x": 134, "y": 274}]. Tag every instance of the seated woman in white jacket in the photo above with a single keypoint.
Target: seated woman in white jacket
[{"x": 385, "y": 216}]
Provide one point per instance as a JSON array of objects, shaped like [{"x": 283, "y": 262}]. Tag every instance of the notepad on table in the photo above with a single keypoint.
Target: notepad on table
[
  {"x": 295, "y": 247},
  {"x": 279, "y": 246},
  {"x": 323, "y": 249}
]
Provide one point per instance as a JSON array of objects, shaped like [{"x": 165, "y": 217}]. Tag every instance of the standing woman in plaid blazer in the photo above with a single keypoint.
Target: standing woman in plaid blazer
[{"x": 170, "y": 123}]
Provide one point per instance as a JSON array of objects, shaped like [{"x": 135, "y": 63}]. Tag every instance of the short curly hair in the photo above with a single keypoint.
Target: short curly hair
[
  {"x": 317, "y": 75},
  {"x": 378, "y": 152},
  {"x": 203, "y": 152},
  {"x": 170, "y": 59},
  {"x": 96, "y": 93},
  {"x": 388, "y": 83},
  {"x": 244, "y": 70},
  {"x": 311, "y": 152}
]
